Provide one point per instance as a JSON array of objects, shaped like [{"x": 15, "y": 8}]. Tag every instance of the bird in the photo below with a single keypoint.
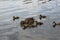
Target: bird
[
  {"x": 29, "y": 20},
  {"x": 15, "y": 17},
  {"x": 39, "y": 23},
  {"x": 29, "y": 23},
  {"x": 41, "y": 16},
  {"x": 24, "y": 25},
  {"x": 55, "y": 24}
]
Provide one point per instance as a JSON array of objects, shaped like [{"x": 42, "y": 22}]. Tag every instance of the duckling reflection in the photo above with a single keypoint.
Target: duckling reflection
[
  {"x": 41, "y": 16},
  {"x": 14, "y": 18},
  {"x": 55, "y": 24}
]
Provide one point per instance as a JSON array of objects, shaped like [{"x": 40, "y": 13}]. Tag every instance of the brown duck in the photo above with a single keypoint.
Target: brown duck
[
  {"x": 24, "y": 25},
  {"x": 29, "y": 20}
]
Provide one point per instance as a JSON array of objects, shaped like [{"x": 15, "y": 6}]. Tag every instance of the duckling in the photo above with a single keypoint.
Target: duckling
[
  {"x": 32, "y": 25},
  {"x": 14, "y": 18},
  {"x": 29, "y": 20},
  {"x": 41, "y": 16},
  {"x": 39, "y": 23},
  {"x": 24, "y": 25},
  {"x": 55, "y": 24}
]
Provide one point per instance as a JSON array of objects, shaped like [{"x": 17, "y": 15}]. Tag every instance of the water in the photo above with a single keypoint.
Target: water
[{"x": 11, "y": 30}]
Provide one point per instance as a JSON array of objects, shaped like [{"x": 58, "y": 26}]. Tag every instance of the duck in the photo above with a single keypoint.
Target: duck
[
  {"x": 30, "y": 23},
  {"x": 29, "y": 20},
  {"x": 24, "y": 25},
  {"x": 55, "y": 24},
  {"x": 15, "y": 17},
  {"x": 41, "y": 16},
  {"x": 33, "y": 25},
  {"x": 39, "y": 23}
]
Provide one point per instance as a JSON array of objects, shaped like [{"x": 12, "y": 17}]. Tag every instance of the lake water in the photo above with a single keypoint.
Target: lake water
[{"x": 11, "y": 30}]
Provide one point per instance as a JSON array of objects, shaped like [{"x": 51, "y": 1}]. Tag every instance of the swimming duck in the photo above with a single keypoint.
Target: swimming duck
[
  {"x": 14, "y": 18},
  {"x": 41, "y": 16},
  {"x": 39, "y": 23},
  {"x": 29, "y": 20},
  {"x": 55, "y": 24},
  {"x": 24, "y": 25}
]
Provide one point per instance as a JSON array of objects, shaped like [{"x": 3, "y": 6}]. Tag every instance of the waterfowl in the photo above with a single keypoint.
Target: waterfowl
[
  {"x": 35, "y": 23},
  {"x": 55, "y": 24},
  {"x": 39, "y": 23},
  {"x": 41, "y": 16},
  {"x": 24, "y": 25},
  {"x": 29, "y": 20},
  {"x": 14, "y": 18},
  {"x": 29, "y": 23}
]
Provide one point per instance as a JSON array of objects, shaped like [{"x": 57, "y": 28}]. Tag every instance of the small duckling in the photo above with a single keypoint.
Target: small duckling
[
  {"x": 14, "y": 18},
  {"x": 55, "y": 24},
  {"x": 41, "y": 16},
  {"x": 29, "y": 20},
  {"x": 33, "y": 25},
  {"x": 24, "y": 25},
  {"x": 39, "y": 23}
]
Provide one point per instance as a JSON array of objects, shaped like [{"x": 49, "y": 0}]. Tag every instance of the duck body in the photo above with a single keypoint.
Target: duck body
[
  {"x": 14, "y": 18},
  {"x": 55, "y": 24},
  {"x": 41, "y": 16}
]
